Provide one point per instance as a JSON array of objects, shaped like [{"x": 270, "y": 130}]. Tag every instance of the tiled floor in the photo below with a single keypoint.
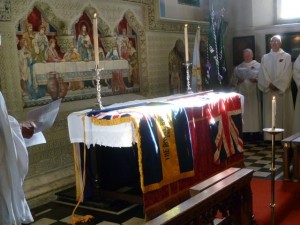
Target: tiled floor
[{"x": 257, "y": 157}]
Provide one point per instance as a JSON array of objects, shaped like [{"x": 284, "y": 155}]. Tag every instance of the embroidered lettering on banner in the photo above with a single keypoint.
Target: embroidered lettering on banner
[{"x": 167, "y": 145}]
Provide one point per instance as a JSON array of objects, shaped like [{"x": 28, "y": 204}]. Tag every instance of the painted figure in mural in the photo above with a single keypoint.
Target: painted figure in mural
[
  {"x": 113, "y": 54},
  {"x": 122, "y": 42},
  {"x": 133, "y": 65},
  {"x": 25, "y": 62},
  {"x": 28, "y": 35},
  {"x": 84, "y": 45},
  {"x": 73, "y": 56},
  {"x": 176, "y": 68},
  {"x": 101, "y": 54},
  {"x": 27, "y": 57},
  {"x": 117, "y": 82},
  {"x": 28, "y": 80},
  {"x": 51, "y": 54},
  {"x": 40, "y": 44}
]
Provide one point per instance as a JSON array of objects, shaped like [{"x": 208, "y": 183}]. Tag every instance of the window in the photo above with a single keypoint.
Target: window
[{"x": 288, "y": 10}]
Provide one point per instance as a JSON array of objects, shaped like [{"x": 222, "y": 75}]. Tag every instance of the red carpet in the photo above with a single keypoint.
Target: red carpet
[{"x": 287, "y": 200}]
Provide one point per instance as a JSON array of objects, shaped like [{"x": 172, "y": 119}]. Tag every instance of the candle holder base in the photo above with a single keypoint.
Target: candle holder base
[{"x": 273, "y": 130}]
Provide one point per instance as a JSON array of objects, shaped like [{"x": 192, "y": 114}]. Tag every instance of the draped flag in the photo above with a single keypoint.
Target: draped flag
[
  {"x": 226, "y": 131},
  {"x": 164, "y": 141},
  {"x": 167, "y": 151},
  {"x": 215, "y": 66},
  {"x": 196, "y": 73}
]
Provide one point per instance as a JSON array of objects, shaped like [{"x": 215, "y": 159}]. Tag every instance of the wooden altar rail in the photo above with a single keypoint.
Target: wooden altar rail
[{"x": 227, "y": 194}]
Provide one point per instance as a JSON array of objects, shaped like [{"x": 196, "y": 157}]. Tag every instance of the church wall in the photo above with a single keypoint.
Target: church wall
[
  {"x": 51, "y": 165},
  {"x": 194, "y": 12},
  {"x": 257, "y": 19},
  {"x": 159, "y": 46}
]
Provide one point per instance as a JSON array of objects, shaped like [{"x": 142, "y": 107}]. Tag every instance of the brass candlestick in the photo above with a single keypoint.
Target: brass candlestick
[
  {"x": 273, "y": 131},
  {"x": 98, "y": 86},
  {"x": 188, "y": 78}
]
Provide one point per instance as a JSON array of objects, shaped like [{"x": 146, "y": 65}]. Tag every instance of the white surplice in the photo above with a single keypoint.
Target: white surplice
[
  {"x": 14, "y": 209},
  {"x": 276, "y": 68},
  {"x": 251, "y": 112},
  {"x": 296, "y": 76}
]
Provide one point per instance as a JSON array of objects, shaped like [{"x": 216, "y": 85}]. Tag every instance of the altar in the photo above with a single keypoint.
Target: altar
[{"x": 165, "y": 145}]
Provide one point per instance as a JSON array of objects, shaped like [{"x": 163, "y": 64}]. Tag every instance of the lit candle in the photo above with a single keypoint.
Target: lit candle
[
  {"x": 186, "y": 43},
  {"x": 273, "y": 112},
  {"x": 95, "y": 36}
]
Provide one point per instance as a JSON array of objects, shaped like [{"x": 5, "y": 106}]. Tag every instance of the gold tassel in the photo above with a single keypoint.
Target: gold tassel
[
  {"x": 86, "y": 218},
  {"x": 81, "y": 219}
]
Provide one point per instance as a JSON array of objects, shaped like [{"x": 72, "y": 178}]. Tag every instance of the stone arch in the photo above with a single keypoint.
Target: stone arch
[
  {"x": 102, "y": 25},
  {"x": 51, "y": 18},
  {"x": 142, "y": 50}
]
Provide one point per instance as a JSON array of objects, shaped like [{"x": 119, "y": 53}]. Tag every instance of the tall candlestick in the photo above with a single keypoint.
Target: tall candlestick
[
  {"x": 186, "y": 43},
  {"x": 273, "y": 112},
  {"x": 95, "y": 36}
]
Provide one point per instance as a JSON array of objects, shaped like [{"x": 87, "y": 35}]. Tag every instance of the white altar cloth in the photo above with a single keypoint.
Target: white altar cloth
[
  {"x": 121, "y": 135},
  {"x": 124, "y": 134},
  {"x": 78, "y": 71}
]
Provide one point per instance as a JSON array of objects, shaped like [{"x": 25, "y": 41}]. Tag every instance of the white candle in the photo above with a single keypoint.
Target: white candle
[
  {"x": 186, "y": 43},
  {"x": 273, "y": 112},
  {"x": 95, "y": 36}
]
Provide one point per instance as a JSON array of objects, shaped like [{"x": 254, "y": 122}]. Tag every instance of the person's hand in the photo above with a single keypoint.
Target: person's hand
[
  {"x": 273, "y": 87},
  {"x": 27, "y": 128}
]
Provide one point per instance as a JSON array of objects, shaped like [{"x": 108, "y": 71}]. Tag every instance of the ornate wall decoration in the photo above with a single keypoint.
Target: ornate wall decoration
[
  {"x": 45, "y": 78},
  {"x": 5, "y": 10}
]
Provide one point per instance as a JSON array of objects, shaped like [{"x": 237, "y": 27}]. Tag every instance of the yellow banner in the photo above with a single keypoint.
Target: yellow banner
[{"x": 168, "y": 149}]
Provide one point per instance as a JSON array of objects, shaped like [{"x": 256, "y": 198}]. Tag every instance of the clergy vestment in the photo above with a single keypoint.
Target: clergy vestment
[
  {"x": 14, "y": 209},
  {"x": 251, "y": 111},
  {"x": 276, "y": 68},
  {"x": 296, "y": 76}
]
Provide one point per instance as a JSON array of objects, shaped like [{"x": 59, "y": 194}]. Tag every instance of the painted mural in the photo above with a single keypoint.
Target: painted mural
[{"x": 48, "y": 73}]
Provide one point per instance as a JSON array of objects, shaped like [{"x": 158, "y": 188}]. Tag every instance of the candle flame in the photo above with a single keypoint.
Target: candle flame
[{"x": 95, "y": 15}]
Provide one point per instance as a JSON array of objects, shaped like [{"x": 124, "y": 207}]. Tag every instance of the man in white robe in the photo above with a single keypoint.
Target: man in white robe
[
  {"x": 244, "y": 81},
  {"x": 274, "y": 79},
  {"x": 296, "y": 77},
  {"x": 14, "y": 209}
]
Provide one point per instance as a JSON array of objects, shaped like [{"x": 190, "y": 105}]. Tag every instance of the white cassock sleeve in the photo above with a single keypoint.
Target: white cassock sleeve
[
  {"x": 13, "y": 169},
  {"x": 296, "y": 72}
]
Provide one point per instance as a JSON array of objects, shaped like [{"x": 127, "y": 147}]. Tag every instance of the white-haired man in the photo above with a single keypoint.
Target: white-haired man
[
  {"x": 274, "y": 79},
  {"x": 244, "y": 81}
]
